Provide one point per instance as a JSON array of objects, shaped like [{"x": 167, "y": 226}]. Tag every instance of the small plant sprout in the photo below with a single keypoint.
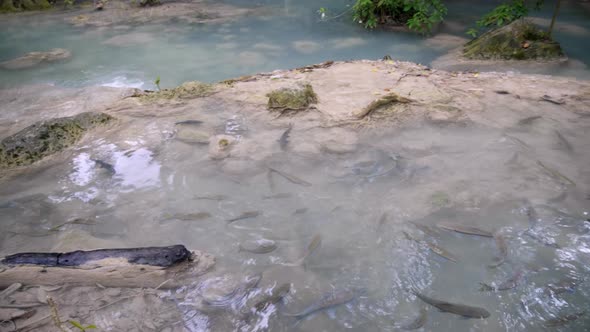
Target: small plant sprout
[
  {"x": 157, "y": 83},
  {"x": 81, "y": 327}
]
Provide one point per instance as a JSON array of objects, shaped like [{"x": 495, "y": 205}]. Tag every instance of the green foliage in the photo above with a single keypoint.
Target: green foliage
[
  {"x": 504, "y": 14},
  {"x": 68, "y": 3},
  {"x": 80, "y": 326},
  {"x": 418, "y": 15},
  {"x": 157, "y": 83}
]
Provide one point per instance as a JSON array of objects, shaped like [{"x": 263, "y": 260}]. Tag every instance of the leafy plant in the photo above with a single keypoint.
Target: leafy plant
[
  {"x": 418, "y": 15},
  {"x": 80, "y": 326},
  {"x": 504, "y": 14},
  {"x": 157, "y": 83}
]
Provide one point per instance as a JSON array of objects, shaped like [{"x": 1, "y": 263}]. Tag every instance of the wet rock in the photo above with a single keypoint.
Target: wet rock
[
  {"x": 220, "y": 145},
  {"x": 444, "y": 113},
  {"x": 520, "y": 40},
  {"x": 291, "y": 99},
  {"x": 191, "y": 135},
  {"x": 47, "y": 137},
  {"x": 33, "y": 59},
  {"x": 187, "y": 90}
]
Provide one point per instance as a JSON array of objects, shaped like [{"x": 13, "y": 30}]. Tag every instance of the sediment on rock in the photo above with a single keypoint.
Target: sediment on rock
[{"x": 284, "y": 100}]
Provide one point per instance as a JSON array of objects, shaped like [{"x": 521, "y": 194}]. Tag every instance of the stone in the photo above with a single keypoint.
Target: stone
[
  {"x": 44, "y": 138},
  {"x": 519, "y": 40},
  {"x": 33, "y": 59},
  {"x": 220, "y": 146},
  {"x": 291, "y": 99},
  {"x": 191, "y": 135}
]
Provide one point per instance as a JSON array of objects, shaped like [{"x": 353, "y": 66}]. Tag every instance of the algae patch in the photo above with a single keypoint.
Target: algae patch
[
  {"x": 286, "y": 99},
  {"x": 44, "y": 138},
  {"x": 187, "y": 90},
  {"x": 385, "y": 101}
]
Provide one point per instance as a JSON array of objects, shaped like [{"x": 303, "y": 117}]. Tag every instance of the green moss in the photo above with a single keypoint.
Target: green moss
[
  {"x": 520, "y": 40},
  {"x": 187, "y": 90},
  {"x": 291, "y": 99},
  {"x": 47, "y": 137},
  {"x": 440, "y": 199}
]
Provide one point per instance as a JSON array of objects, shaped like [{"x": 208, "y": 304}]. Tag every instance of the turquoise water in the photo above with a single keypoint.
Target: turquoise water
[{"x": 289, "y": 34}]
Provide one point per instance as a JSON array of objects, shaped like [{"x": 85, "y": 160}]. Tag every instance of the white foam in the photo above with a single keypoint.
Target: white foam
[{"x": 124, "y": 82}]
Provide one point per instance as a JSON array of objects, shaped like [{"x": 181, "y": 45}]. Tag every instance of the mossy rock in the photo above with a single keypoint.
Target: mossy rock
[
  {"x": 187, "y": 90},
  {"x": 519, "y": 40},
  {"x": 291, "y": 99},
  {"x": 47, "y": 137}
]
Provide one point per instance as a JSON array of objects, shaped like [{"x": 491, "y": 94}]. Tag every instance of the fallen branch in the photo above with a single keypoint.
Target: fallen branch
[{"x": 384, "y": 101}]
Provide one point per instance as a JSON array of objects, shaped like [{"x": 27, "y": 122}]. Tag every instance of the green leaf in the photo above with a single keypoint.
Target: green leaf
[
  {"x": 76, "y": 324},
  {"x": 91, "y": 326}
]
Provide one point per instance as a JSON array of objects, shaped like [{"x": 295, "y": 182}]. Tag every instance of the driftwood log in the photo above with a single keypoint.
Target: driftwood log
[{"x": 116, "y": 269}]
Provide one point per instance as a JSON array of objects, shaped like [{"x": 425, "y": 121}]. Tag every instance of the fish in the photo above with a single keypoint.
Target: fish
[
  {"x": 274, "y": 297},
  {"x": 104, "y": 165},
  {"x": 541, "y": 239},
  {"x": 212, "y": 197},
  {"x": 434, "y": 248},
  {"x": 77, "y": 221},
  {"x": 563, "y": 142},
  {"x": 510, "y": 283},
  {"x": 189, "y": 122},
  {"x": 300, "y": 211},
  {"x": 519, "y": 141},
  {"x": 556, "y": 174},
  {"x": 284, "y": 140},
  {"x": 290, "y": 178},
  {"x": 425, "y": 228},
  {"x": 328, "y": 300},
  {"x": 277, "y": 196},
  {"x": 315, "y": 243},
  {"x": 563, "y": 320},
  {"x": 245, "y": 215},
  {"x": 262, "y": 246},
  {"x": 502, "y": 92},
  {"x": 237, "y": 294},
  {"x": 382, "y": 220},
  {"x": 529, "y": 120},
  {"x": 418, "y": 322},
  {"x": 532, "y": 216},
  {"x": 502, "y": 247},
  {"x": 454, "y": 308},
  {"x": 9, "y": 290},
  {"x": 551, "y": 100},
  {"x": 561, "y": 286},
  {"x": 189, "y": 216},
  {"x": 465, "y": 229}
]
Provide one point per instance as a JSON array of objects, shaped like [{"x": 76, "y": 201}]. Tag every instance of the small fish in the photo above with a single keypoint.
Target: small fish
[
  {"x": 541, "y": 239},
  {"x": 290, "y": 178},
  {"x": 561, "y": 286},
  {"x": 563, "y": 320},
  {"x": 245, "y": 215},
  {"x": 434, "y": 248},
  {"x": 425, "y": 228},
  {"x": 454, "y": 308},
  {"x": 563, "y": 142},
  {"x": 262, "y": 246},
  {"x": 315, "y": 243},
  {"x": 277, "y": 196},
  {"x": 77, "y": 221},
  {"x": 284, "y": 140},
  {"x": 519, "y": 141},
  {"x": 465, "y": 229},
  {"x": 189, "y": 216},
  {"x": 529, "y": 120},
  {"x": 328, "y": 300},
  {"x": 212, "y": 197},
  {"x": 9, "y": 290},
  {"x": 502, "y": 92},
  {"x": 274, "y": 297},
  {"x": 502, "y": 247},
  {"x": 418, "y": 322},
  {"x": 556, "y": 174},
  {"x": 551, "y": 100},
  {"x": 189, "y": 122},
  {"x": 532, "y": 216},
  {"x": 104, "y": 165},
  {"x": 237, "y": 294},
  {"x": 382, "y": 220},
  {"x": 512, "y": 282},
  {"x": 300, "y": 211}
]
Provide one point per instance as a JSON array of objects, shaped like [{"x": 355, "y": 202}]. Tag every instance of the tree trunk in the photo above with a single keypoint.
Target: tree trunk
[{"x": 555, "y": 12}]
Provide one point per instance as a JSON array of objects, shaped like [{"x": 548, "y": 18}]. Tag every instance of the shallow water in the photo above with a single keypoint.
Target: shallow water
[
  {"x": 288, "y": 35},
  {"x": 469, "y": 174}
]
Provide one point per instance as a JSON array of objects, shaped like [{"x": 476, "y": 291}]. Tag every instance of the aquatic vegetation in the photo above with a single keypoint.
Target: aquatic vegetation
[
  {"x": 385, "y": 101},
  {"x": 157, "y": 83},
  {"x": 440, "y": 199},
  {"x": 47, "y": 137},
  {"x": 22, "y": 5},
  {"x": 286, "y": 99},
  {"x": 81, "y": 327},
  {"x": 187, "y": 90}
]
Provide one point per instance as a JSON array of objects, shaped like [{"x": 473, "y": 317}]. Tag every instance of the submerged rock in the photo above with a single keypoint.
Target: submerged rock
[
  {"x": 219, "y": 146},
  {"x": 47, "y": 137},
  {"x": 187, "y": 90},
  {"x": 33, "y": 59},
  {"x": 520, "y": 40}
]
